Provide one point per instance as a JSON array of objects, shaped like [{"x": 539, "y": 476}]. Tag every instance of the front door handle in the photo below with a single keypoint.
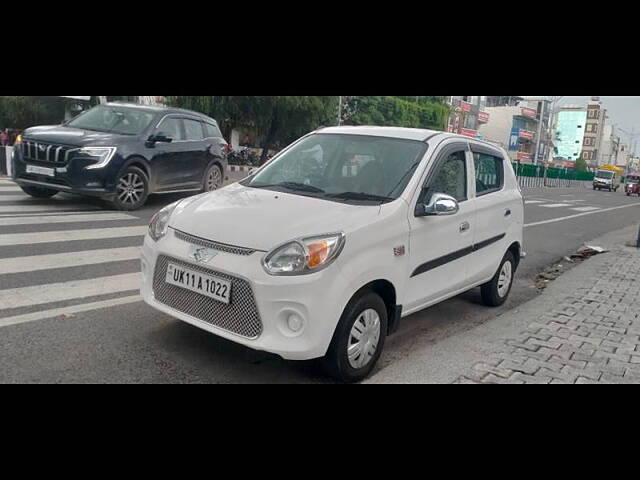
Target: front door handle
[
  {"x": 507, "y": 212},
  {"x": 464, "y": 227}
]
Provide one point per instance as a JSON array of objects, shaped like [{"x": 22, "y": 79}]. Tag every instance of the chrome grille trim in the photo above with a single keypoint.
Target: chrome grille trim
[
  {"x": 54, "y": 153},
  {"x": 222, "y": 247},
  {"x": 239, "y": 317}
]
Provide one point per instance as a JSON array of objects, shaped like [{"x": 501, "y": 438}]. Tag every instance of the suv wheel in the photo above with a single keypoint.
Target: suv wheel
[
  {"x": 132, "y": 189},
  {"x": 495, "y": 292},
  {"x": 359, "y": 338},
  {"x": 213, "y": 178},
  {"x": 39, "y": 192}
]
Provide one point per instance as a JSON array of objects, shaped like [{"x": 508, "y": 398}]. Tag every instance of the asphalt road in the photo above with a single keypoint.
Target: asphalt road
[{"x": 69, "y": 310}]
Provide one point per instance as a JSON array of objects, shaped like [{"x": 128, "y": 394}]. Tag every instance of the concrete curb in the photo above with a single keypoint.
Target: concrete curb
[{"x": 240, "y": 168}]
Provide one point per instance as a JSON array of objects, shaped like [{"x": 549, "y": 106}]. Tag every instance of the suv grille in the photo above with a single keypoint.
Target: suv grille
[
  {"x": 240, "y": 316},
  {"x": 223, "y": 247},
  {"x": 46, "y": 152}
]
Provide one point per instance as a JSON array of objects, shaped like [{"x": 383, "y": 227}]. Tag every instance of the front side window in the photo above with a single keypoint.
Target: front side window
[
  {"x": 341, "y": 167},
  {"x": 111, "y": 119},
  {"x": 489, "y": 173},
  {"x": 193, "y": 130},
  {"x": 450, "y": 178}
]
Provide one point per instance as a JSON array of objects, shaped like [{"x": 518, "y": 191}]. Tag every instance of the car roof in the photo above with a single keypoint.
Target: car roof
[
  {"x": 420, "y": 134},
  {"x": 159, "y": 109}
]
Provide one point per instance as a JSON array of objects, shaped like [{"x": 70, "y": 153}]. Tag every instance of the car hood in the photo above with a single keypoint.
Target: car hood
[
  {"x": 262, "y": 219},
  {"x": 72, "y": 136}
]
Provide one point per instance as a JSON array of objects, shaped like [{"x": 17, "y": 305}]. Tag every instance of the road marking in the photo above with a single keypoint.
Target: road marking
[
  {"x": 556, "y": 205},
  {"x": 75, "y": 289},
  {"x": 562, "y": 219},
  {"x": 4, "y": 188},
  {"x": 35, "y": 208},
  {"x": 533, "y": 201},
  {"x": 66, "y": 236},
  {"x": 46, "y": 214},
  {"x": 44, "y": 219},
  {"x": 585, "y": 209},
  {"x": 15, "y": 198},
  {"x": 65, "y": 260},
  {"x": 85, "y": 307}
]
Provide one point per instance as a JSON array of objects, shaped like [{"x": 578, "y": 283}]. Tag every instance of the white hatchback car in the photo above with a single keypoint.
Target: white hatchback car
[{"x": 321, "y": 251}]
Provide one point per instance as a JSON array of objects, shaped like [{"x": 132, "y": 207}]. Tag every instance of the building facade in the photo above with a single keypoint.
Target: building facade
[
  {"x": 570, "y": 125},
  {"x": 593, "y": 134},
  {"x": 517, "y": 125},
  {"x": 468, "y": 114}
]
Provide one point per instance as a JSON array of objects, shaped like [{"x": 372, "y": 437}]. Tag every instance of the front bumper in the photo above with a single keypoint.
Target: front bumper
[
  {"x": 318, "y": 299},
  {"x": 72, "y": 177}
]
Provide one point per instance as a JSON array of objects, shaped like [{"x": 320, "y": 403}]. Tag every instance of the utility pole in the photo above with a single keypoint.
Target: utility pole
[
  {"x": 539, "y": 134},
  {"x": 339, "y": 111}
]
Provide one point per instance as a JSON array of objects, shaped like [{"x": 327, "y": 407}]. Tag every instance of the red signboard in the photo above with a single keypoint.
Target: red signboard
[
  {"x": 466, "y": 106},
  {"x": 468, "y": 132},
  {"x": 483, "y": 117},
  {"x": 524, "y": 157},
  {"x": 526, "y": 134},
  {"x": 528, "y": 112}
]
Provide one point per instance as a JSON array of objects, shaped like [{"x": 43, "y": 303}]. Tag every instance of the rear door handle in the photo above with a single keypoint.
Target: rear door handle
[{"x": 464, "y": 227}]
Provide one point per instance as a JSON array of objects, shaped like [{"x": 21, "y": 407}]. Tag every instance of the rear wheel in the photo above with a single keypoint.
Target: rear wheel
[
  {"x": 496, "y": 292},
  {"x": 132, "y": 189},
  {"x": 213, "y": 178},
  {"x": 39, "y": 192},
  {"x": 359, "y": 338}
]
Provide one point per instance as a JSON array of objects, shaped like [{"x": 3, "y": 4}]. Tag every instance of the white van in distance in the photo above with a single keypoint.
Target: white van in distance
[{"x": 321, "y": 251}]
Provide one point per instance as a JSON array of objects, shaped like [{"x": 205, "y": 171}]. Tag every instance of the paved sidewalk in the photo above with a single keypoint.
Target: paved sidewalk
[{"x": 585, "y": 328}]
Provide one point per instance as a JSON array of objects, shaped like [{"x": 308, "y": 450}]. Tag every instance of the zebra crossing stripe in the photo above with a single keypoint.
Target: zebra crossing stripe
[
  {"x": 66, "y": 236},
  {"x": 40, "y": 208},
  {"x": 75, "y": 289},
  {"x": 66, "y": 260},
  {"x": 85, "y": 307},
  {"x": 45, "y": 219}
]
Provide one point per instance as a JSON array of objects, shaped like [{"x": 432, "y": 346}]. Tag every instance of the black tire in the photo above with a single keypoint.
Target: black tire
[
  {"x": 491, "y": 291},
  {"x": 39, "y": 192},
  {"x": 628, "y": 194},
  {"x": 336, "y": 361},
  {"x": 213, "y": 178},
  {"x": 139, "y": 183}
]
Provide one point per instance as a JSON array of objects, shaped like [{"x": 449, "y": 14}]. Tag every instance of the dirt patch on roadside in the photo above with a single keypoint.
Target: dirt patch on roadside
[{"x": 552, "y": 272}]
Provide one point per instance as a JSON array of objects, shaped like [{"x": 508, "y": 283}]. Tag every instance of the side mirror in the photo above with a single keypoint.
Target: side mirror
[
  {"x": 160, "y": 137},
  {"x": 440, "y": 204}
]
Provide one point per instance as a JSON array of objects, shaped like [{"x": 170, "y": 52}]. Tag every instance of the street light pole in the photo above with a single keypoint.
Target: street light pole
[{"x": 339, "y": 111}]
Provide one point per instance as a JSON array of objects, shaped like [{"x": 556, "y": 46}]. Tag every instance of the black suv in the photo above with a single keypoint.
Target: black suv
[{"x": 122, "y": 152}]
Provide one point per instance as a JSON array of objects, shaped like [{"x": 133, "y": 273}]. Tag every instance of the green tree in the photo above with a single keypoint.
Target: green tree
[
  {"x": 415, "y": 112},
  {"x": 581, "y": 164},
  {"x": 27, "y": 111}
]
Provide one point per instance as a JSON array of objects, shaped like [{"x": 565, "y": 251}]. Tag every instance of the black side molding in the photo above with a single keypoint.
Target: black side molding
[{"x": 450, "y": 257}]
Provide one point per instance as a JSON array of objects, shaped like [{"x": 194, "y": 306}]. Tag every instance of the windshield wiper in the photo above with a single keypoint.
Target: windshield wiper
[
  {"x": 292, "y": 186},
  {"x": 359, "y": 196}
]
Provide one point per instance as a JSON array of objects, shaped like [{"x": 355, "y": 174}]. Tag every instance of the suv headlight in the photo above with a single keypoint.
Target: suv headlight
[
  {"x": 160, "y": 221},
  {"x": 103, "y": 155},
  {"x": 303, "y": 256}
]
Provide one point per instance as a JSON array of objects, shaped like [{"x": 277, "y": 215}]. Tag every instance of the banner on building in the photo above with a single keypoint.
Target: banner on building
[{"x": 513, "y": 139}]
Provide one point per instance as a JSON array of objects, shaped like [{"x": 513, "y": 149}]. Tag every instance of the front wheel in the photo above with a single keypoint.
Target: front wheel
[
  {"x": 132, "y": 189},
  {"x": 39, "y": 192},
  {"x": 495, "y": 292},
  {"x": 359, "y": 338}
]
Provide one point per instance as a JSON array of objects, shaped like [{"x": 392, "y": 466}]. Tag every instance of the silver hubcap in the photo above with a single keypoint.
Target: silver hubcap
[
  {"x": 363, "y": 339},
  {"x": 214, "y": 179},
  {"x": 504, "y": 280},
  {"x": 130, "y": 188}
]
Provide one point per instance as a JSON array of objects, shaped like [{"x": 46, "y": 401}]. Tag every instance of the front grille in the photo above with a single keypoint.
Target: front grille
[
  {"x": 47, "y": 152},
  {"x": 223, "y": 247},
  {"x": 240, "y": 316}
]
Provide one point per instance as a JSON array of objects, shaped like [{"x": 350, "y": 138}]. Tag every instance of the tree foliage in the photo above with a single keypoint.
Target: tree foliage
[
  {"x": 27, "y": 111},
  {"x": 415, "y": 112},
  {"x": 581, "y": 164}
]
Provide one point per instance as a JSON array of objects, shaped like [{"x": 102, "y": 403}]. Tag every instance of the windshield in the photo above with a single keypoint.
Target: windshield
[
  {"x": 604, "y": 174},
  {"x": 633, "y": 179},
  {"x": 344, "y": 167},
  {"x": 126, "y": 121}
]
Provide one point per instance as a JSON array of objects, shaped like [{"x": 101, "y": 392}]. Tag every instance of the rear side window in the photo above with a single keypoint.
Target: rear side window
[
  {"x": 489, "y": 173},
  {"x": 212, "y": 131},
  {"x": 171, "y": 127},
  {"x": 193, "y": 129}
]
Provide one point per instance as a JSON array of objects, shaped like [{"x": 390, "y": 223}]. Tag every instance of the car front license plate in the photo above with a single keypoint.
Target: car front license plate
[
  {"x": 49, "y": 172},
  {"x": 208, "y": 285}
]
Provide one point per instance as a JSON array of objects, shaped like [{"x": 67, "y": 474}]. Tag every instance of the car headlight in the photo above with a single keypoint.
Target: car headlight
[
  {"x": 103, "y": 155},
  {"x": 306, "y": 255},
  {"x": 160, "y": 221}
]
